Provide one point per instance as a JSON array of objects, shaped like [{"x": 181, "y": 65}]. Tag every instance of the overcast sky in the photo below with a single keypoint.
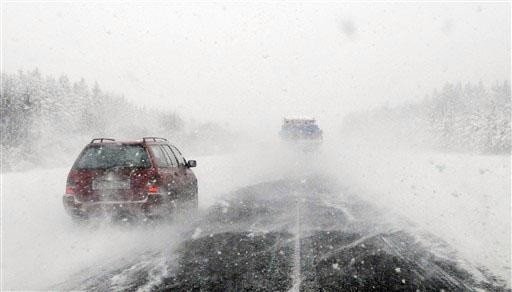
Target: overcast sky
[{"x": 250, "y": 62}]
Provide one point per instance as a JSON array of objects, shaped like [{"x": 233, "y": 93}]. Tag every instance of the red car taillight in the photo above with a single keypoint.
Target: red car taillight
[
  {"x": 70, "y": 187},
  {"x": 70, "y": 191},
  {"x": 153, "y": 187}
]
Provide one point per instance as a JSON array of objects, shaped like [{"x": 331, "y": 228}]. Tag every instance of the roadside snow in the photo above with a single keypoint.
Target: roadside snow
[{"x": 464, "y": 199}]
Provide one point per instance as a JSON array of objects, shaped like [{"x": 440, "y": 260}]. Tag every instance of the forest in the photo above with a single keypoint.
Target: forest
[
  {"x": 470, "y": 118},
  {"x": 44, "y": 118}
]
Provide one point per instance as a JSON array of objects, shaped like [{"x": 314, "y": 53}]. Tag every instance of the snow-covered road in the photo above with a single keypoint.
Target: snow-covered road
[
  {"x": 292, "y": 234},
  {"x": 41, "y": 248}
]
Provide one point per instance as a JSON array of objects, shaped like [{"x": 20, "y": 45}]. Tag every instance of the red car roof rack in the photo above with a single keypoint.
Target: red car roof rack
[
  {"x": 100, "y": 140},
  {"x": 154, "y": 139}
]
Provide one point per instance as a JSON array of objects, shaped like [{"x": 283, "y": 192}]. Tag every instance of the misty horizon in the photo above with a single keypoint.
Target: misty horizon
[{"x": 234, "y": 63}]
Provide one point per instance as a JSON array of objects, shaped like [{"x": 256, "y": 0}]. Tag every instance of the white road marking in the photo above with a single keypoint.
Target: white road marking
[{"x": 296, "y": 260}]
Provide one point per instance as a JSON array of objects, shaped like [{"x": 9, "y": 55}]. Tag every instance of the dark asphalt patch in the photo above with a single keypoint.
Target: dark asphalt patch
[
  {"x": 248, "y": 242},
  {"x": 352, "y": 262},
  {"x": 233, "y": 262}
]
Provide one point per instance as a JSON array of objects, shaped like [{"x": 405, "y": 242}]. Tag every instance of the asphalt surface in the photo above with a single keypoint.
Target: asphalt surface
[{"x": 301, "y": 234}]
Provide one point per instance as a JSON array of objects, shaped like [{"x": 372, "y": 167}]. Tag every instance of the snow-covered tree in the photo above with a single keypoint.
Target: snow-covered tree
[{"x": 457, "y": 118}]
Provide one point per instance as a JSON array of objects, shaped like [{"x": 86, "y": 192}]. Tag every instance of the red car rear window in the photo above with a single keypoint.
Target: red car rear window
[{"x": 113, "y": 155}]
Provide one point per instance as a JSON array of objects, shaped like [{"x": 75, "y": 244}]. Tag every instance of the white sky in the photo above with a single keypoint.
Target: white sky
[{"x": 246, "y": 63}]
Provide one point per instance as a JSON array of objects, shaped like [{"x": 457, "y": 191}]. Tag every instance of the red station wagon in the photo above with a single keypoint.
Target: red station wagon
[{"x": 149, "y": 177}]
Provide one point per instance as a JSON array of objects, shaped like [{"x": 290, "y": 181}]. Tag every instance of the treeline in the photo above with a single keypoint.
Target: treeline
[
  {"x": 44, "y": 118},
  {"x": 462, "y": 118}
]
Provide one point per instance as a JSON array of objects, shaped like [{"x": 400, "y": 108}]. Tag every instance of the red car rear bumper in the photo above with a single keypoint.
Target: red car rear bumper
[{"x": 148, "y": 206}]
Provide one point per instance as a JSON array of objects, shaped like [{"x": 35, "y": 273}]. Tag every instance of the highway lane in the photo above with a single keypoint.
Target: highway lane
[{"x": 299, "y": 234}]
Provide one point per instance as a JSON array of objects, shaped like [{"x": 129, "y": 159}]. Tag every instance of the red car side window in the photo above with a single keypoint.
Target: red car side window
[
  {"x": 177, "y": 153},
  {"x": 160, "y": 156},
  {"x": 170, "y": 155}
]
